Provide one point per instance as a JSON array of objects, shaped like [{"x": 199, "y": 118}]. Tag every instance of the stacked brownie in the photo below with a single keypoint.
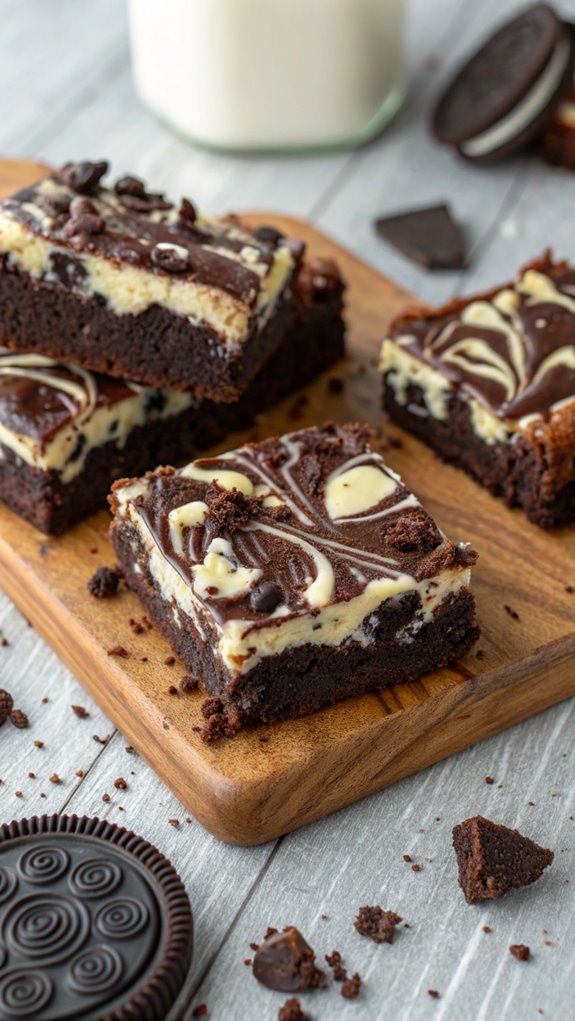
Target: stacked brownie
[{"x": 209, "y": 322}]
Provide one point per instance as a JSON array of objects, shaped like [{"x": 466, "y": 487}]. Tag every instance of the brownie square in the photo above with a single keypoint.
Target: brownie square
[
  {"x": 122, "y": 281},
  {"x": 294, "y": 572},
  {"x": 66, "y": 434},
  {"x": 489, "y": 383}
]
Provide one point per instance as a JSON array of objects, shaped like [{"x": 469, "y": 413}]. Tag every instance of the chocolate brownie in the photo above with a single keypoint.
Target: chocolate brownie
[
  {"x": 493, "y": 859},
  {"x": 120, "y": 280},
  {"x": 66, "y": 434},
  {"x": 294, "y": 572},
  {"x": 489, "y": 383}
]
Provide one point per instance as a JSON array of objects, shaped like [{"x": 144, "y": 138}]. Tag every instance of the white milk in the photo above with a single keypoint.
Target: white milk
[{"x": 270, "y": 74}]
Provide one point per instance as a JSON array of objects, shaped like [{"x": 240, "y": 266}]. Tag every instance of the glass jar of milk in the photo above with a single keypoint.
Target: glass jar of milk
[{"x": 270, "y": 74}]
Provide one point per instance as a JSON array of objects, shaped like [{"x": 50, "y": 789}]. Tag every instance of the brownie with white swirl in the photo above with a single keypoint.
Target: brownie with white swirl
[
  {"x": 294, "y": 572},
  {"x": 123, "y": 281},
  {"x": 489, "y": 383},
  {"x": 66, "y": 434}
]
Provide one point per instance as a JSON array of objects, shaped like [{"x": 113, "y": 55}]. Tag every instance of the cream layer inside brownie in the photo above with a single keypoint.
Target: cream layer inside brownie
[
  {"x": 136, "y": 249},
  {"x": 510, "y": 355},
  {"x": 53, "y": 415},
  {"x": 293, "y": 541}
]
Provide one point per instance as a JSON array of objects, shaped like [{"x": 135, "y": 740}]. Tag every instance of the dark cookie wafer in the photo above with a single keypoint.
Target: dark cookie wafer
[
  {"x": 95, "y": 923},
  {"x": 507, "y": 92}
]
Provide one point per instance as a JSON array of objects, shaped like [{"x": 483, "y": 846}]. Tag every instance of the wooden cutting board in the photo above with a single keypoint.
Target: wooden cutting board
[{"x": 248, "y": 790}]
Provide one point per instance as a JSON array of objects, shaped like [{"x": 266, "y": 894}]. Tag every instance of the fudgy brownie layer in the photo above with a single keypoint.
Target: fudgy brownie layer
[
  {"x": 518, "y": 471},
  {"x": 155, "y": 347},
  {"x": 303, "y": 679},
  {"x": 315, "y": 342}
]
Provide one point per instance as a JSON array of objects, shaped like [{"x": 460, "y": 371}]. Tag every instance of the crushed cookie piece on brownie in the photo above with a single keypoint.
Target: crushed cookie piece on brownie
[
  {"x": 104, "y": 582},
  {"x": 493, "y": 859},
  {"x": 520, "y": 951},
  {"x": 377, "y": 924},
  {"x": 284, "y": 961}
]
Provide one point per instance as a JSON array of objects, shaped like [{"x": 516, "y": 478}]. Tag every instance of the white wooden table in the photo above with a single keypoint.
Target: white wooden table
[{"x": 65, "y": 92}]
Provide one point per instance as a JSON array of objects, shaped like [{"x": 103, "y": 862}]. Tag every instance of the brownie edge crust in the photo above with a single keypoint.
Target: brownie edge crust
[{"x": 293, "y": 573}]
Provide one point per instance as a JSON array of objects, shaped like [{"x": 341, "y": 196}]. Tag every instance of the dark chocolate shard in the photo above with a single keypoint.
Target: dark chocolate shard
[
  {"x": 429, "y": 237},
  {"x": 494, "y": 859}
]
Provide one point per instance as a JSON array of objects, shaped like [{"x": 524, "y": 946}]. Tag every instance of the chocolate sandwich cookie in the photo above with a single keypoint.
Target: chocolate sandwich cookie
[
  {"x": 95, "y": 923},
  {"x": 506, "y": 93}
]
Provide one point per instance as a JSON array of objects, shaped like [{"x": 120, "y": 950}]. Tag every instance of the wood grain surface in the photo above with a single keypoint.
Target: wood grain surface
[{"x": 245, "y": 791}]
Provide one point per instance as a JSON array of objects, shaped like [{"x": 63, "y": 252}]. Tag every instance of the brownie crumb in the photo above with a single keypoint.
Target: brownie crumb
[
  {"x": 520, "y": 951},
  {"x": 100, "y": 740},
  {"x": 106, "y": 798},
  {"x": 118, "y": 650},
  {"x": 200, "y": 1011},
  {"x": 80, "y": 711},
  {"x": 19, "y": 794},
  {"x": 480, "y": 654},
  {"x": 188, "y": 683},
  {"x": 38, "y": 744},
  {"x": 415, "y": 867},
  {"x": 487, "y": 928},
  {"x": 129, "y": 749},
  {"x": 511, "y": 612},
  {"x": 80, "y": 773},
  {"x": 120, "y": 784},
  {"x": 433, "y": 993},
  {"x": 136, "y": 625},
  {"x": 284, "y": 961},
  {"x": 4, "y": 642},
  {"x": 351, "y": 987},
  {"x": 493, "y": 859},
  {"x": 335, "y": 385},
  {"x": 55, "y": 778},
  {"x": 377, "y": 924},
  {"x": 31, "y": 776},
  {"x": 570, "y": 589},
  {"x": 407, "y": 857},
  {"x": 19, "y": 719},
  {"x": 6, "y": 705},
  {"x": 169, "y": 660},
  {"x": 174, "y": 822},
  {"x": 104, "y": 583},
  {"x": 489, "y": 780},
  {"x": 172, "y": 690},
  {"x": 291, "y": 1011},
  {"x": 335, "y": 962},
  {"x": 218, "y": 724}
]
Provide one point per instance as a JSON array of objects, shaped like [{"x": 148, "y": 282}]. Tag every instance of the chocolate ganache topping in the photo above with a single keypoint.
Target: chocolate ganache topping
[
  {"x": 512, "y": 349},
  {"x": 126, "y": 223},
  {"x": 290, "y": 525}
]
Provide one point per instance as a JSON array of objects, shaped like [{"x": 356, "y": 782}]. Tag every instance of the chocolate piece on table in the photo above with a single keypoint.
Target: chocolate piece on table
[
  {"x": 489, "y": 383},
  {"x": 372, "y": 593},
  {"x": 67, "y": 434},
  {"x": 118, "y": 280},
  {"x": 493, "y": 859},
  {"x": 520, "y": 951},
  {"x": 284, "y": 961},
  {"x": 506, "y": 93},
  {"x": 377, "y": 924},
  {"x": 95, "y": 921},
  {"x": 429, "y": 237},
  {"x": 557, "y": 143}
]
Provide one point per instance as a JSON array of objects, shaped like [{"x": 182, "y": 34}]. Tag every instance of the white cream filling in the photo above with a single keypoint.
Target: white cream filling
[
  {"x": 131, "y": 290},
  {"x": 95, "y": 429},
  {"x": 241, "y": 646},
  {"x": 532, "y": 104}
]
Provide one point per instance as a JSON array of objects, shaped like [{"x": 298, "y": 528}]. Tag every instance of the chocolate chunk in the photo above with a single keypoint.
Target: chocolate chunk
[
  {"x": 266, "y": 597},
  {"x": 104, "y": 583},
  {"x": 145, "y": 203},
  {"x": 130, "y": 186},
  {"x": 83, "y": 177},
  {"x": 172, "y": 259},
  {"x": 493, "y": 859},
  {"x": 98, "y": 923},
  {"x": 377, "y": 924},
  {"x": 284, "y": 961},
  {"x": 430, "y": 237},
  {"x": 520, "y": 951},
  {"x": 84, "y": 218}
]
